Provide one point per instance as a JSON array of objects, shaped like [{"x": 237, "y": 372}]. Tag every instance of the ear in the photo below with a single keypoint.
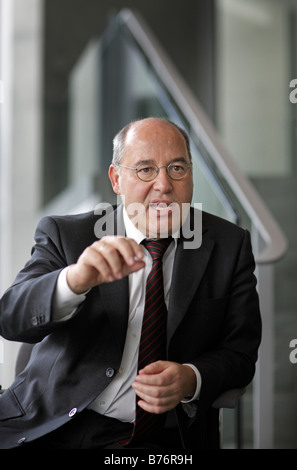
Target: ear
[{"x": 114, "y": 178}]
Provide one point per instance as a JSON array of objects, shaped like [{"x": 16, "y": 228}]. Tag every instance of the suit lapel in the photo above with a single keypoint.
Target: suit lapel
[{"x": 188, "y": 270}]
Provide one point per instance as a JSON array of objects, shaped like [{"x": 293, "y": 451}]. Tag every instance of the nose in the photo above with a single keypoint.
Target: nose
[{"x": 163, "y": 182}]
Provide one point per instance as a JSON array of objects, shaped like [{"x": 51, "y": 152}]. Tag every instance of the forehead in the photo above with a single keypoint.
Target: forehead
[{"x": 154, "y": 135}]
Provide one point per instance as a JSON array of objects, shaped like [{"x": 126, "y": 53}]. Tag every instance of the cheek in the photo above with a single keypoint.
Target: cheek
[
  {"x": 133, "y": 192},
  {"x": 189, "y": 190},
  {"x": 184, "y": 193}
]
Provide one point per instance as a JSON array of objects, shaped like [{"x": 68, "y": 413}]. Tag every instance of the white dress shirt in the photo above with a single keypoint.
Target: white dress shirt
[{"x": 118, "y": 399}]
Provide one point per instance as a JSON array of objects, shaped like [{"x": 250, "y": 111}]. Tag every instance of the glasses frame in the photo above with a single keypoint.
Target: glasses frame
[{"x": 188, "y": 166}]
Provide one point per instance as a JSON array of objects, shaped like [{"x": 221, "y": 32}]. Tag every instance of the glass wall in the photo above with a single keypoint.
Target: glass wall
[
  {"x": 112, "y": 85},
  {"x": 256, "y": 50},
  {"x": 254, "y": 68}
]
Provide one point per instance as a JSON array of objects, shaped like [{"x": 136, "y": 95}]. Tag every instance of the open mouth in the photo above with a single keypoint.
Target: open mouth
[
  {"x": 162, "y": 206},
  {"x": 163, "y": 217}
]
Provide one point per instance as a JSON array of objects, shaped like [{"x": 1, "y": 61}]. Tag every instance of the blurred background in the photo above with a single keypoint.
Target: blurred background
[{"x": 73, "y": 72}]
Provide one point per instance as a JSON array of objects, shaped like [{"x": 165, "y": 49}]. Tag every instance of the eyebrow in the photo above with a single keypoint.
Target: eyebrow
[{"x": 174, "y": 160}]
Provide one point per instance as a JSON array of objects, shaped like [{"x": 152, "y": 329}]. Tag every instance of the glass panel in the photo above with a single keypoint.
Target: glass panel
[
  {"x": 130, "y": 89},
  {"x": 253, "y": 64},
  {"x": 84, "y": 116},
  {"x": 256, "y": 63}
]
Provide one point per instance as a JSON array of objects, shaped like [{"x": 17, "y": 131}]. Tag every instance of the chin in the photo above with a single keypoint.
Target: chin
[
  {"x": 162, "y": 226},
  {"x": 162, "y": 230}
]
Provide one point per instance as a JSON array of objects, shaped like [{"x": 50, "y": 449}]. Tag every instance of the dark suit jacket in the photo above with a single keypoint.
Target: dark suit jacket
[{"x": 213, "y": 323}]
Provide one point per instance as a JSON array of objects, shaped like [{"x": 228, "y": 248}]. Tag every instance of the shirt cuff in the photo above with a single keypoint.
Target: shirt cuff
[
  {"x": 198, "y": 385},
  {"x": 65, "y": 302}
]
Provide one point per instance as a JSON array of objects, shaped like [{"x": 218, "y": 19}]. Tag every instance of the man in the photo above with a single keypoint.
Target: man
[{"x": 83, "y": 300}]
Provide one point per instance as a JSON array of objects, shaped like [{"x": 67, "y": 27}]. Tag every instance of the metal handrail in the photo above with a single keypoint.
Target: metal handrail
[{"x": 275, "y": 242}]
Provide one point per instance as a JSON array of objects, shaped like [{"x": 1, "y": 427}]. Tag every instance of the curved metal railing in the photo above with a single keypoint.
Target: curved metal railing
[{"x": 274, "y": 240}]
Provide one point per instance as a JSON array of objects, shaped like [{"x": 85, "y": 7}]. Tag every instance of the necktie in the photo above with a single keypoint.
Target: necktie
[{"x": 152, "y": 346}]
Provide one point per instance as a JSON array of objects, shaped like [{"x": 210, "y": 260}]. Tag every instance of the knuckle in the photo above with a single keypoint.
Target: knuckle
[
  {"x": 106, "y": 249},
  {"x": 157, "y": 393},
  {"x": 85, "y": 254}
]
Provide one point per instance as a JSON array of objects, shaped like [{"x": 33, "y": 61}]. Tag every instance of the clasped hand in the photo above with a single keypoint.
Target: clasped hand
[{"x": 163, "y": 384}]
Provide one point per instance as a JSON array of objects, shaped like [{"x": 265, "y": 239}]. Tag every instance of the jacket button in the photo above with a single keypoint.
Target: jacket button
[
  {"x": 72, "y": 412},
  {"x": 109, "y": 372},
  {"x": 22, "y": 440},
  {"x": 34, "y": 321}
]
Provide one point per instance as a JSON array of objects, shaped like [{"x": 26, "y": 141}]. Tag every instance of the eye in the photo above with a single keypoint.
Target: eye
[
  {"x": 146, "y": 170},
  {"x": 177, "y": 169}
]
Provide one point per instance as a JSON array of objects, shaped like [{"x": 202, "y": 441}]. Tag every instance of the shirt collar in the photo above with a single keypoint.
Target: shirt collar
[
  {"x": 131, "y": 230},
  {"x": 134, "y": 233}
]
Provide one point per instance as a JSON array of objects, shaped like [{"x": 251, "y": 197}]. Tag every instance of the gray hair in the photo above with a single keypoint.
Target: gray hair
[{"x": 120, "y": 140}]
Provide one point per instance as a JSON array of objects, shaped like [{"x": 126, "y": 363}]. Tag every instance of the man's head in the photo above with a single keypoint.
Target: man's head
[{"x": 158, "y": 179}]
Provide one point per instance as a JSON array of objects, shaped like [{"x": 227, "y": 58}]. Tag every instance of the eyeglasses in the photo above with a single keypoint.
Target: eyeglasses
[{"x": 148, "y": 172}]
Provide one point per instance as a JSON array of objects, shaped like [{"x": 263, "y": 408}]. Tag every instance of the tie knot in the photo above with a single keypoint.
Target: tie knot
[{"x": 157, "y": 248}]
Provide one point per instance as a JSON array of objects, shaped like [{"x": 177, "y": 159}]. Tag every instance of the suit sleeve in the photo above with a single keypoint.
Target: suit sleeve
[{"x": 26, "y": 307}]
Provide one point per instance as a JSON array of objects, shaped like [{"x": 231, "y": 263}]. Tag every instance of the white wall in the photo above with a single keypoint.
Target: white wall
[{"x": 21, "y": 44}]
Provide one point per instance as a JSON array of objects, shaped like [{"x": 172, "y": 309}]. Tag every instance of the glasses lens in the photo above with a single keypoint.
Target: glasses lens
[
  {"x": 177, "y": 171},
  {"x": 147, "y": 172}
]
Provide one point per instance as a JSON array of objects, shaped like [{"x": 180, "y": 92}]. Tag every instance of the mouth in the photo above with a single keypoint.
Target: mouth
[{"x": 162, "y": 206}]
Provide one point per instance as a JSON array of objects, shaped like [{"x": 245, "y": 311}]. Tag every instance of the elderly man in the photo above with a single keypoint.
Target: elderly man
[{"x": 137, "y": 332}]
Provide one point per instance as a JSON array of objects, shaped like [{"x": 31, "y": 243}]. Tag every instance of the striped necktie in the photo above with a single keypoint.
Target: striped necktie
[{"x": 152, "y": 346}]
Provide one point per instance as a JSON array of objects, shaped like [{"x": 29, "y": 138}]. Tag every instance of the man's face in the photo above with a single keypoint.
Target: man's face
[{"x": 155, "y": 207}]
